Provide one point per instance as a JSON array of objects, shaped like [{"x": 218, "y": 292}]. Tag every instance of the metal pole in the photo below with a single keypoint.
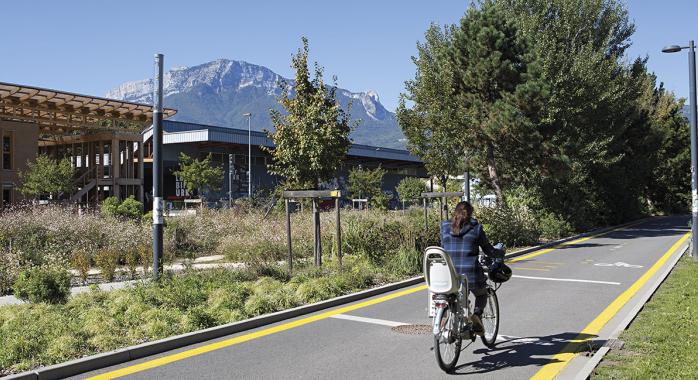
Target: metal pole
[
  {"x": 466, "y": 181},
  {"x": 425, "y": 214},
  {"x": 288, "y": 239},
  {"x": 158, "y": 203},
  {"x": 694, "y": 151},
  {"x": 230, "y": 180},
  {"x": 316, "y": 225},
  {"x": 249, "y": 155},
  {"x": 339, "y": 233}
]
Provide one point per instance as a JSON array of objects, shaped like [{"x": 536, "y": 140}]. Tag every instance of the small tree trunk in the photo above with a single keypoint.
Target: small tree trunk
[{"x": 494, "y": 176}]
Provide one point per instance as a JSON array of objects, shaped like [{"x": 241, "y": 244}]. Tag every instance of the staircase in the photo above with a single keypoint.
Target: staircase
[{"x": 84, "y": 183}]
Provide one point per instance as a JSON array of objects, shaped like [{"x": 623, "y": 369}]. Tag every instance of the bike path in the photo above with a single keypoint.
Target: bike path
[{"x": 540, "y": 314}]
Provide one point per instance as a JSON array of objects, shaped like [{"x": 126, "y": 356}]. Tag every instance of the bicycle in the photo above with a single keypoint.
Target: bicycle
[{"x": 451, "y": 307}]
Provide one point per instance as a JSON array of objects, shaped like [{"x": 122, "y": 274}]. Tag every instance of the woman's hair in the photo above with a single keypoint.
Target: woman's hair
[{"x": 461, "y": 216}]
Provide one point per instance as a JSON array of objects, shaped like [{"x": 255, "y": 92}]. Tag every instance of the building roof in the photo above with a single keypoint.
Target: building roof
[
  {"x": 62, "y": 111},
  {"x": 177, "y": 132}
]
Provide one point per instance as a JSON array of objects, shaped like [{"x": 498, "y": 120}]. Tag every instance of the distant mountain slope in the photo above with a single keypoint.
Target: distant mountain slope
[{"x": 219, "y": 92}]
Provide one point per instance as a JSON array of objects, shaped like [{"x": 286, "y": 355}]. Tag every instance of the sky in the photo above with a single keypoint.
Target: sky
[{"x": 90, "y": 47}]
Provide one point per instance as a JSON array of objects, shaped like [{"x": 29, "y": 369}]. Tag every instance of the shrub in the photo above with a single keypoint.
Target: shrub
[
  {"x": 130, "y": 208},
  {"x": 514, "y": 226},
  {"x": 553, "y": 227},
  {"x": 49, "y": 285},
  {"x": 107, "y": 260},
  {"x": 410, "y": 188},
  {"x": 82, "y": 260}
]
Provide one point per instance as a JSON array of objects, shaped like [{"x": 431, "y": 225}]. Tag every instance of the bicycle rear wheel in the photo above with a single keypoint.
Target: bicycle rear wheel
[
  {"x": 490, "y": 319},
  {"x": 447, "y": 343}
]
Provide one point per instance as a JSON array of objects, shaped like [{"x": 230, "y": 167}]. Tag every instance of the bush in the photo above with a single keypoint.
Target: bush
[
  {"x": 130, "y": 208},
  {"x": 43, "y": 285},
  {"x": 411, "y": 188},
  {"x": 514, "y": 226},
  {"x": 107, "y": 260},
  {"x": 554, "y": 227}
]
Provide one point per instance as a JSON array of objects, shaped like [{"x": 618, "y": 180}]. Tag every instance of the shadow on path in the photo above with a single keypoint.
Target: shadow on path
[{"x": 524, "y": 352}]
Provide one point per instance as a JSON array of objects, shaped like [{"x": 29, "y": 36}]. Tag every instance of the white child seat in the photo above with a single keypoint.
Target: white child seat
[{"x": 439, "y": 272}]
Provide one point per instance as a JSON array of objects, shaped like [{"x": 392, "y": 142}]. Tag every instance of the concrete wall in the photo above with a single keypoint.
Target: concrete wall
[{"x": 24, "y": 138}]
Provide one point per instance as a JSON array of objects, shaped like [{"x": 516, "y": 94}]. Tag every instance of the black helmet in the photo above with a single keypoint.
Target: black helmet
[{"x": 500, "y": 273}]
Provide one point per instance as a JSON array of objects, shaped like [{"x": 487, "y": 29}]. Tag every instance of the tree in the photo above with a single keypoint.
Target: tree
[
  {"x": 365, "y": 183},
  {"x": 500, "y": 92},
  {"x": 312, "y": 138},
  {"x": 47, "y": 176},
  {"x": 432, "y": 125},
  {"x": 198, "y": 174},
  {"x": 411, "y": 188}
]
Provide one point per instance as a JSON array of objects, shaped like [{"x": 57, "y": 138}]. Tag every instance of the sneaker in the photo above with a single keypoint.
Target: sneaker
[{"x": 478, "y": 328}]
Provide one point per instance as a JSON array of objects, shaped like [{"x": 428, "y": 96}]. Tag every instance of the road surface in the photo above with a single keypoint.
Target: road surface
[{"x": 555, "y": 297}]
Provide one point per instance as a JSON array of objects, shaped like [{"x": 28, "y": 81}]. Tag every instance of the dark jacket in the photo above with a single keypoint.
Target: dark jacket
[{"x": 464, "y": 249}]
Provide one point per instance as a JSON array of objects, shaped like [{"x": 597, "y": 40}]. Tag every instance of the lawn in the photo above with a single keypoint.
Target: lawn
[{"x": 661, "y": 342}]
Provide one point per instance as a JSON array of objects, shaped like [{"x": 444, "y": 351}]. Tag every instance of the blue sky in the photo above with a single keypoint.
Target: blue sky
[{"x": 92, "y": 46}]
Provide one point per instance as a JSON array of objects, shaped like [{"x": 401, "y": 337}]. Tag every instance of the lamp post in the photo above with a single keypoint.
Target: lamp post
[
  {"x": 249, "y": 153},
  {"x": 693, "y": 115},
  {"x": 158, "y": 219}
]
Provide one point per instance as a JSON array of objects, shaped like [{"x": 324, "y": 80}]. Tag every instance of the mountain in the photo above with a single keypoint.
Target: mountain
[{"x": 219, "y": 92}]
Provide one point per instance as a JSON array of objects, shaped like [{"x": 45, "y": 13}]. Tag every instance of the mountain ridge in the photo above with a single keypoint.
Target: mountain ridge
[{"x": 220, "y": 91}]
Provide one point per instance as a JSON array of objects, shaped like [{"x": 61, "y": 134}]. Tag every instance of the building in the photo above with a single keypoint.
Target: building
[
  {"x": 229, "y": 149},
  {"x": 109, "y": 143},
  {"x": 101, "y": 137}
]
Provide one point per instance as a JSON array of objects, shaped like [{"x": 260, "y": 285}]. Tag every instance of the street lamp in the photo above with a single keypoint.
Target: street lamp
[
  {"x": 693, "y": 115},
  {"x": 249, "y": 154}
]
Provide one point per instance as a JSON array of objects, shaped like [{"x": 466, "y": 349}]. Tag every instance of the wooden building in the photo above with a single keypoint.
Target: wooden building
[{"x": 101, "y": 138}]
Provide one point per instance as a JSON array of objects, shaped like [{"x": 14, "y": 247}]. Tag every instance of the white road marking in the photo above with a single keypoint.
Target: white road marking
[
  {"x": 368, "y": 320},
  {"x": 618, "y": 264},
  {"x": 567, "y": 280}
]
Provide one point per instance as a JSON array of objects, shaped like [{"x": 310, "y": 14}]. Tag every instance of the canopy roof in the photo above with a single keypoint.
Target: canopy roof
[{"x": 61, "y": 112}]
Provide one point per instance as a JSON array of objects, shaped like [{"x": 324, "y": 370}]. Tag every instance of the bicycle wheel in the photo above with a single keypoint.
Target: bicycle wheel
[
  {"x": 490, "y": 319},
  {"x": 448, "y": 342}
]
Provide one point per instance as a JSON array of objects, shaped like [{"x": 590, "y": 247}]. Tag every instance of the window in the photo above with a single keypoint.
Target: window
[
  {"x": 7, "y": 152},
  {"x": 6, "y": 196}
]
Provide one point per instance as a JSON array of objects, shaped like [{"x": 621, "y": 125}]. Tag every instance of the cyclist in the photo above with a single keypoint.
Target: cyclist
[{"x": 461, "y": 238}]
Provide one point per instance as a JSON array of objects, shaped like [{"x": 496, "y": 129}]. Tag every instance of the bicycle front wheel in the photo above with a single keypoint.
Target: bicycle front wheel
[
  {"x": 490, "y": 319},
  {"x": 447, "y": 342}
]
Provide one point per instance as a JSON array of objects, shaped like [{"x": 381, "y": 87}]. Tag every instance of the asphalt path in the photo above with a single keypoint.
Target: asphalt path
[{"x": 552, "y": 298}]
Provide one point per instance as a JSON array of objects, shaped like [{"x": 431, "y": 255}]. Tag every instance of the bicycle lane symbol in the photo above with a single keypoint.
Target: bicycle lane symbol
[{"x": 618, "y": 264}]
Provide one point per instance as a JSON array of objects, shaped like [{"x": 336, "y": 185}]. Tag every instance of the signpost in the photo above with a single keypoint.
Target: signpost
[
  {"x": 443, "y": 205},
  {"x": 158, "y": 204}
]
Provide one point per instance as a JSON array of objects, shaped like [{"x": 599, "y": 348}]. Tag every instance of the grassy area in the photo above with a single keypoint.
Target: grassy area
[
  {"x": 39, "y": 334},
  {"x": 661, "y": 342}
]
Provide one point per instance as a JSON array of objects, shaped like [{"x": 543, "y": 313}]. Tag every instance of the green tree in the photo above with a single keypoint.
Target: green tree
[
  {"x": 500, "y": 94},
  {"x": 365, "y": 183},
  {"x": 431, "y": 124},
  {"x": 198, "y": 174},
  {"x": 46, "y": 176},
  {"x": 130, "y": 208},
  {"x": 312, "y": 137},
  {"x": 411, "y": 188}
]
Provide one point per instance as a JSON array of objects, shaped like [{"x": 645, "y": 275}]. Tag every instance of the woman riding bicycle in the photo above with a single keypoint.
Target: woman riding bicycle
[{"x": 461, "y": 238}]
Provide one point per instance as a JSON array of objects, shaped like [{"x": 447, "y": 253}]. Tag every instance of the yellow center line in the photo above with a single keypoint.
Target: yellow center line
[
  {"x": 247, "y": 337},
  {"x": 559, "y": 361}
]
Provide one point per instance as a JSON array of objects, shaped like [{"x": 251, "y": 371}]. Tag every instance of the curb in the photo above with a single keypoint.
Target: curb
[
  {"x": 106, "y": 359},
  {"x": 595, "y": 360},
  {"x": 122, "y": 355}
]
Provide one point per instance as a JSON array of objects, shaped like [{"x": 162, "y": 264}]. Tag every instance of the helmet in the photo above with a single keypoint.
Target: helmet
[{"x": 500, "y": 272}]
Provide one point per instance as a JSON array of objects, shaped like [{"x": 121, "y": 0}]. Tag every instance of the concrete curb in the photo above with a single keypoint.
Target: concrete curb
[
  {"x": 106, "y": 359},
  {"x": 595, "y": 360}
]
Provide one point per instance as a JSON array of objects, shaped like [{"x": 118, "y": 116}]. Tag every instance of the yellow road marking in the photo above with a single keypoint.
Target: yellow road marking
[
  {"x": 559, "y": 361},
  {"x": 244, "y": 338}
]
